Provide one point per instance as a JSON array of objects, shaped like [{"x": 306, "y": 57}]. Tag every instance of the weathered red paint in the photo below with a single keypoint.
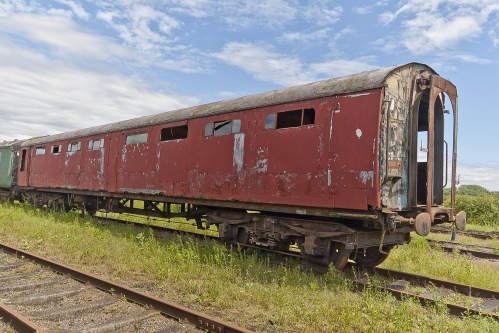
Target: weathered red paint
[
  {"x": 330, "y": 163},
  {"x": 358, "y": 155}
]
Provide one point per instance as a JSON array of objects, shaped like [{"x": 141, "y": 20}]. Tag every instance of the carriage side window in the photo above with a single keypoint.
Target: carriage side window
[
  {"x": 270, "y": 121},
  {"x": 174, "y": 133},
  {"x": 308, "y": 116},
  {"x": 224, "y": 127},
  {"x": 134, "y": 139},
  {"x": 74, "y": 146},
  {"x": 95, "y": 144},
  {"x": 56, "y": 149},
  {"x": 40, "y": 151},
  {"x": 287, "y": 119},
  {"x": 208, "y": 129}
]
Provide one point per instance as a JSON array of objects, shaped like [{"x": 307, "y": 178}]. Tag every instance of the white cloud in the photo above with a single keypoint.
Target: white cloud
[
  {"x": 367, "y": 9},
  {"x": 76, "y": 8},
  {"x": 267, "y": 65},
  {"x": 483, "y": 174},
  {"x": 341, "y": 67},
  {"x": 57, "y": 77},
  {"x": 305, "y": 37},
  {"x": 429, "y": 26},
  {"x": 47, "y": 97},
  {"x": 193, "y": 8},
  {"x": 494, "y": 38},
  {"x": 428, "y": 31},
  {"x": 10, "y": 6},
  {"x": 251, "y": 13},
  {"x": 143, "y": 27},
  {"x": 322, "y": 12},
  {"x": 264, "y": 64},
  {"x": 386, "y": 44},
  {"x": 61, "y": 35},
  {"x": 468, "y": 58}
]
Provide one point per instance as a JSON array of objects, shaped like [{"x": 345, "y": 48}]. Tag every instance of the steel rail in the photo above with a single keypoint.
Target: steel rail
[
  {"x": 17, "y": 321},
  {"x": 469, "y": 233},
  {"x": 179, "y": 312},
  {"x": 418, "y": 279},
  {"x": 455, "y": 310},
  {"x": 450, "y": 247},
  {"x": 424, "y": 280}
]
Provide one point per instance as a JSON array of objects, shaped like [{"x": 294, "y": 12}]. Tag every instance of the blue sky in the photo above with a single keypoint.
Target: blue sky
[{"x": 69, "y": 64}]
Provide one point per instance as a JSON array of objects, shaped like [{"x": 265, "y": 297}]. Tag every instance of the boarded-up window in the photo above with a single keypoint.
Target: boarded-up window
[{"x": 174, "y": 133}]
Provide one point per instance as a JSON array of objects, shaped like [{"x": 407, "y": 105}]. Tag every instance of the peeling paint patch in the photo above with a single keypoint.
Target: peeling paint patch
[
  {"x": 238, "y": 158},
  {"x": 329, "y": 177},
  {"x": 365, "y": 176},
  {"x": 261, "y": 165},
  {"x": 358, "y": 132},
  {"x": 357, "y": 95}
]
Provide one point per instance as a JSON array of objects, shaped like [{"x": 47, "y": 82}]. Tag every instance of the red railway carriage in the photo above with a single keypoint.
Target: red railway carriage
[{"x": 331, "y": 166}]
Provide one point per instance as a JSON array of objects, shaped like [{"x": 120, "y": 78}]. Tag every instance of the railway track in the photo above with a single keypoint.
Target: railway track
[
  {"x": 483, "y": 301},
  {"x": 62, "y": 299},
  {"x": 470, "y": 233},
  {"x": 473, "y": 250},
  {"x": 459, "y": 299}
]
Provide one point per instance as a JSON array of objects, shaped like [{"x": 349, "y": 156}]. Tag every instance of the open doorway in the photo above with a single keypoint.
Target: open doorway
[{"x": 424, "y": 136}]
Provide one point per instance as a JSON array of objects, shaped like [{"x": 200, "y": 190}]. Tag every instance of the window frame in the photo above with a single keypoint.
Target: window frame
[
  {"x": 73, "y": 144},
  {"x": 40, "y": 151},
  {"x": 175, "y": 133},
  {"x": 307, "y": 118},
  {"x": 53, "y": 149},
  {"x": 211, "y": 129},
  {"x": 136, "y": 138},
  {"x": 91, "y": 144}
]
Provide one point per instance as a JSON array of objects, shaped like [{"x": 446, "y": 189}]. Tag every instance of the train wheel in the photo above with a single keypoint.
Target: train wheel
[
  {"x": 339, "y": 256},
  {"x": 370, "y": 257}
]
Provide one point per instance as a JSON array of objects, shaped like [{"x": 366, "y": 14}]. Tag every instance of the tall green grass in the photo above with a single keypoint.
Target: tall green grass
[{"x": 244, "y": 287}]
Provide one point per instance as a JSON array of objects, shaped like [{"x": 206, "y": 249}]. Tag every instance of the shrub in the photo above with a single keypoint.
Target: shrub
[{"x": 480, "y": 209}]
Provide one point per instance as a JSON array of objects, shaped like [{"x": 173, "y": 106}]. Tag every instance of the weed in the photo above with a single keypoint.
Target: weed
[{"x": 245, "y": 287}]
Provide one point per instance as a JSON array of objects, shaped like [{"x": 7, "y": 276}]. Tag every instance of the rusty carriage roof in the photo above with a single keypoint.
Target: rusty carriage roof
[{"x": 330, "y": 87}]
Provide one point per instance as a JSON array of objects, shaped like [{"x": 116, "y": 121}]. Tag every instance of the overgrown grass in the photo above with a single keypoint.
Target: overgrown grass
[
  {"x": 419, "y": 258},
  {"x": 465, "y": 240},
  {"x": 239, "y": 286}
]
